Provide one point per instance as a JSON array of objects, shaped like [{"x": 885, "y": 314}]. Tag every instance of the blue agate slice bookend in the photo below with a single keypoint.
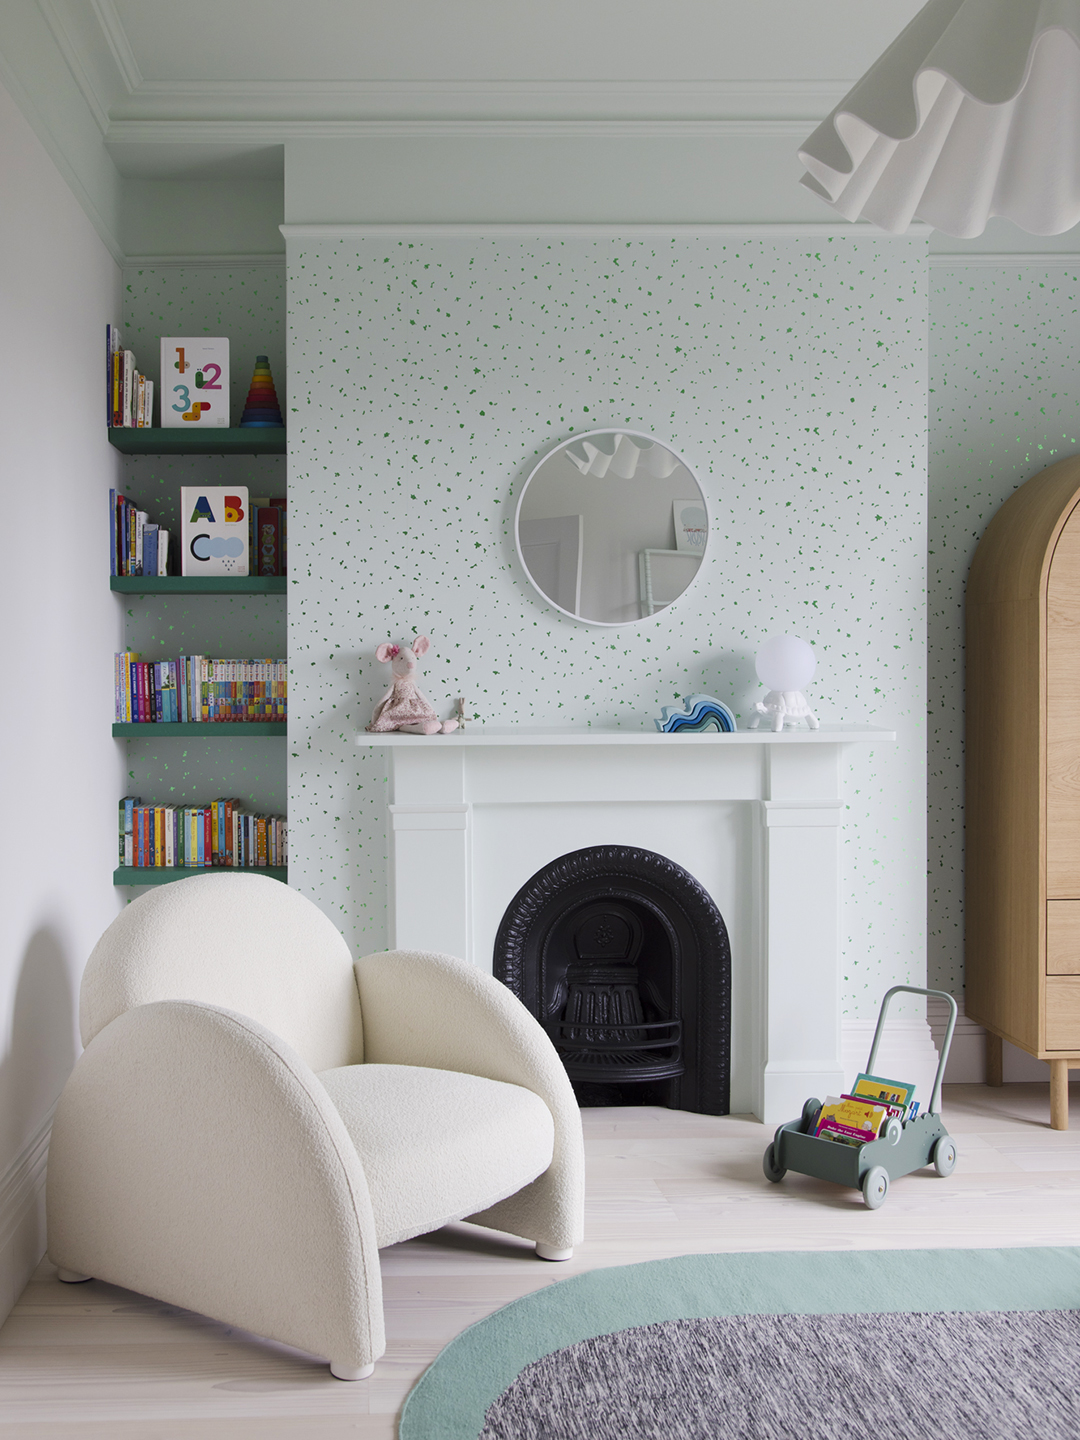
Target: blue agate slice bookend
[{"x": 698, "y": 713}]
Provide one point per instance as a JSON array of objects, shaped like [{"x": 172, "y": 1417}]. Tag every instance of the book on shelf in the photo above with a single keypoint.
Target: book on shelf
[
  {"x": 214, "y": 530},
  {"x": 197, "y": 689},
  {"x": 220, "y": 835},
  {"x": 194, "y": 381},
  {"x": 267, "y": 539},
  {"x": 137, "y": 546},
  {"x": 129, "y": 402}
]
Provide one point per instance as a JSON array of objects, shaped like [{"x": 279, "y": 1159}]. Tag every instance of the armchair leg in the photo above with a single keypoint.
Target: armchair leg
[
  {"x": 72, "y": 1277},
  {"x": 551, "y": 1252},
  {"x": 350, "y": 1372}
]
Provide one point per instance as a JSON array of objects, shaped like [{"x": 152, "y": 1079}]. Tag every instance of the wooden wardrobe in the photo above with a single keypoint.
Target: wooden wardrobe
[{"x": 1022, "y": 811}]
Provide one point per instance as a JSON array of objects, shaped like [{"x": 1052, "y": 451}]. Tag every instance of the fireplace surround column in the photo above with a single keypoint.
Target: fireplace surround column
[{"x": 800, "y": 915}]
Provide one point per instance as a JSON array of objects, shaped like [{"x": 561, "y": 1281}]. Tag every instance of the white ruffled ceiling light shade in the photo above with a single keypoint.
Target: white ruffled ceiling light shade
[
  {"x": 974, "y": 111},
  {"x": 622, "y": 455}
]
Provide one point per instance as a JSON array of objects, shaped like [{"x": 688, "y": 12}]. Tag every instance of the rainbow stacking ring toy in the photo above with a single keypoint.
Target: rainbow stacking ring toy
[{"x": 261, "y": 407}]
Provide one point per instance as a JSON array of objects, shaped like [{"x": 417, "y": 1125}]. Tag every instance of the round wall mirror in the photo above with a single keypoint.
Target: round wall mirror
[{"x": 611, "y": 527}]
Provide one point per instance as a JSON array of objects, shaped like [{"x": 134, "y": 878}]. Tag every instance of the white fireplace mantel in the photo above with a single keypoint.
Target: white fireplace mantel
[{"x": 755, "y": 816}]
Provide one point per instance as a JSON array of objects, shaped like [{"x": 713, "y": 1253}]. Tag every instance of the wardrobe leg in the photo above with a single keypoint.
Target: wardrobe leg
[
  {"x": 1059, "y": 1094},
  {"x": 994, "y": 1064}
]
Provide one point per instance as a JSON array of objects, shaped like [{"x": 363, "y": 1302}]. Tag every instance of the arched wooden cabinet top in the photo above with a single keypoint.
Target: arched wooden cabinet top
[
  {"x": 1022, "y": 764},
  {"x": 1012, "y": 561}
]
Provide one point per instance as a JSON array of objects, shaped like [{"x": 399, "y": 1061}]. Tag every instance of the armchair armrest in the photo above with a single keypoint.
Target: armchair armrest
[
  {"x": 195, "y": 1157},
  {"x": 435, "y": 1011}
]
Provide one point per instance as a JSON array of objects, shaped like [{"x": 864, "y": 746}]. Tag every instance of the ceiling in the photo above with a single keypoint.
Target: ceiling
[{"x": 214, "y": 87}]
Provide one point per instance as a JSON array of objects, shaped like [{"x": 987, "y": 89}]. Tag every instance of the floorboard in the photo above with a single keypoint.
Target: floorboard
[{"x": 91, "y": 1361}]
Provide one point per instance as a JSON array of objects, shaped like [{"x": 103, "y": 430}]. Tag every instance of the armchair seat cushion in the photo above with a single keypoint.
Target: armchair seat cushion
[{"x": 437, "y": 1145}]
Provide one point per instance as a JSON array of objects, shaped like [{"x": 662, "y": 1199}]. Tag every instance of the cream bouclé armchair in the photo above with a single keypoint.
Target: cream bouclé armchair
[{"x": 253, "y": 1117}]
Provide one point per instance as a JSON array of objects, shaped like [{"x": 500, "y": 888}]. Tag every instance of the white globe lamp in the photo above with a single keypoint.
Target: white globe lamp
[{"x": 785, "y": 666}]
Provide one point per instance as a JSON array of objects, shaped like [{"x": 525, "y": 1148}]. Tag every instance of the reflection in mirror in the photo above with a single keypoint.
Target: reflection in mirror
[{"x": 611, "y": 527}]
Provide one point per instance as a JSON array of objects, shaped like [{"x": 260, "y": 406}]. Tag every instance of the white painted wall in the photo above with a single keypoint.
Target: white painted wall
[
  {"x": 67, "y": 121},
  {"x": 62, "y": 773}
]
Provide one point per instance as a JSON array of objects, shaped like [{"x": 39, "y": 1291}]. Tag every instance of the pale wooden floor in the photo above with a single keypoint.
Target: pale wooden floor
[{"x": 91, "y": 1361}]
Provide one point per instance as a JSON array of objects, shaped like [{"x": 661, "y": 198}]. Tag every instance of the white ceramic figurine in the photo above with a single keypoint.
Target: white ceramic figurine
[{"x": 785, "y": 664}]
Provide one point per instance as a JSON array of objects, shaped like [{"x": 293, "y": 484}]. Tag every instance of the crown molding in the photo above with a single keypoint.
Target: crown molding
[
  {"x": 276, "y": 132},
  {"x": 256, "y": 261},
  {"x": 97, "y": 103},
  {"x": 119, "y": 46},
  {"x": 801, "y": 101},
  {"x": 1003, "y": 259},
  {"x": 791, "y": 230},
  {"x": 24, "y": 100}
]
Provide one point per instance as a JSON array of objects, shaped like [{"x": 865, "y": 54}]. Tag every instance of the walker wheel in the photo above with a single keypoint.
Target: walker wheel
[
  {"x": 893, "y": 1131},
  {"x": 875, "y": 1187},
  {"x": 773, "y": 1171},
  {"x": 810, "y": 1111},
  {"x": 944, "y": 1155}
]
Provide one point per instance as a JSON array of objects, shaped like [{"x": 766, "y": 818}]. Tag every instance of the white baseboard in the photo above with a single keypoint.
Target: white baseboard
[
  {"x": 22, "y": 1216},
  {"x": 967, "y": 1058},
  {"x": 906, "y": 1053}
]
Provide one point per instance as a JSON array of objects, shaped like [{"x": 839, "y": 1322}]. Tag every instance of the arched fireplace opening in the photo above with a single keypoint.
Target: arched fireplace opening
[{"x": 624, "y": 959}]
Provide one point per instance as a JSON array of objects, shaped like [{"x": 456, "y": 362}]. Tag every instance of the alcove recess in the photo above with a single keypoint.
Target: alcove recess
[{"x": 245, "y": 302}]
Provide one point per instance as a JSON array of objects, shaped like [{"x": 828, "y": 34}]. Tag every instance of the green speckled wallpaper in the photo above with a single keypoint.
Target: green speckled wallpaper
[
  {"x": 427, "y": 376},
  {"x": 1004, "y": 396},
  {"x": 246, "y": 303}
]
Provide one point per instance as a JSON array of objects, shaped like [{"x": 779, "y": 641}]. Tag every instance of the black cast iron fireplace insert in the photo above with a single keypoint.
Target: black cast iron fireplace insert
[{"x": 624, "y": 959}]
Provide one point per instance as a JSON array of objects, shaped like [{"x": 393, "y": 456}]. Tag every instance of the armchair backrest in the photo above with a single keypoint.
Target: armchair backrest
[{"x": 235, "y": 939}]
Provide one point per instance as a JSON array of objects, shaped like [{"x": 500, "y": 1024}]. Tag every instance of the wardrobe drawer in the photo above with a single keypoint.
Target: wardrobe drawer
[
  {"x": 1063, "y": 937},
  {"x": 1063, "y": 1012}
]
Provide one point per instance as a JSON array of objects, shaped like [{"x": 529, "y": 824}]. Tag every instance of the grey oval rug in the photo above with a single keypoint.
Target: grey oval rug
[
  {"x": 993, "y": 1376},
  {"x": 919, "y": 1320}
]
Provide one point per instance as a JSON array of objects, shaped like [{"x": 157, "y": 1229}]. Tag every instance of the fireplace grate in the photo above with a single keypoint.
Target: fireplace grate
[
  {"x": 623, "y": 957},
  {"x": 644, "y": 1050}
]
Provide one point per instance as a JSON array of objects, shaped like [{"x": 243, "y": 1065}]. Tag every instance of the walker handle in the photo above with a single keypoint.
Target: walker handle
[{"x": 935, "y": 1099}]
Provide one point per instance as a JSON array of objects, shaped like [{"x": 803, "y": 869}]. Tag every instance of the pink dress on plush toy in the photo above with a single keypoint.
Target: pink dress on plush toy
[{"x": 403, "y": 707}]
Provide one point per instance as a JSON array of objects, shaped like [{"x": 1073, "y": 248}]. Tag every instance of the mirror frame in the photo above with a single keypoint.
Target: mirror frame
[{"x": 574, "y": 440}]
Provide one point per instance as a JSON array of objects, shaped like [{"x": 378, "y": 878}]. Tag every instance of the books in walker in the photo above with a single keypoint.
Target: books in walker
[
  {"x": 862, "y": 1115},
  {"x": 850, "y": 1121},
  {"x": 194, "y": 382},
  {"x": 889, "y": 1092},
  {"x": 214, "y": 530}
]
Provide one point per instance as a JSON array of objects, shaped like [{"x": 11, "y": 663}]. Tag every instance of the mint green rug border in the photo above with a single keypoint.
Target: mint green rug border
[{"x": 452, "y": 1396}]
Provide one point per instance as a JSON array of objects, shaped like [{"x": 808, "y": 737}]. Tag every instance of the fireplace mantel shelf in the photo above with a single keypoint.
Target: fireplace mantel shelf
[{"x": 537, "y": 735}]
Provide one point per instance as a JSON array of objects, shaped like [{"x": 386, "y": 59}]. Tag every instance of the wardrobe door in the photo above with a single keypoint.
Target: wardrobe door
[{"x": 1063, "y": 716}]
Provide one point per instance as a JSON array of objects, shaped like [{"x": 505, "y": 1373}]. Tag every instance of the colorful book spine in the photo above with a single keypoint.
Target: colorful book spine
[
  {"x": 283, "y": 528},
  {"x": 190, "y": 837},
  {"x": 114, "y": 376},
  {"x": 150, "y": 544},
  {"x": 268, "y": 522},
  {"x": 137, "y": 545}
]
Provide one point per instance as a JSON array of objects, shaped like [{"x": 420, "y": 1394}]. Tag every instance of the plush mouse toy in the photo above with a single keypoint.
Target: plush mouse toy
[{"x": 403, "y": 707}]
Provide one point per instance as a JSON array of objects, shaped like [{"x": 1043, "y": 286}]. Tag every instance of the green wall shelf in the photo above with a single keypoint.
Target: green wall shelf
[
  {"x": 161, "y": 875},
  {"x": 202, "y": 730},
  {"x": 240, "y": 440},
  {"x": 198, "y": 584}
]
